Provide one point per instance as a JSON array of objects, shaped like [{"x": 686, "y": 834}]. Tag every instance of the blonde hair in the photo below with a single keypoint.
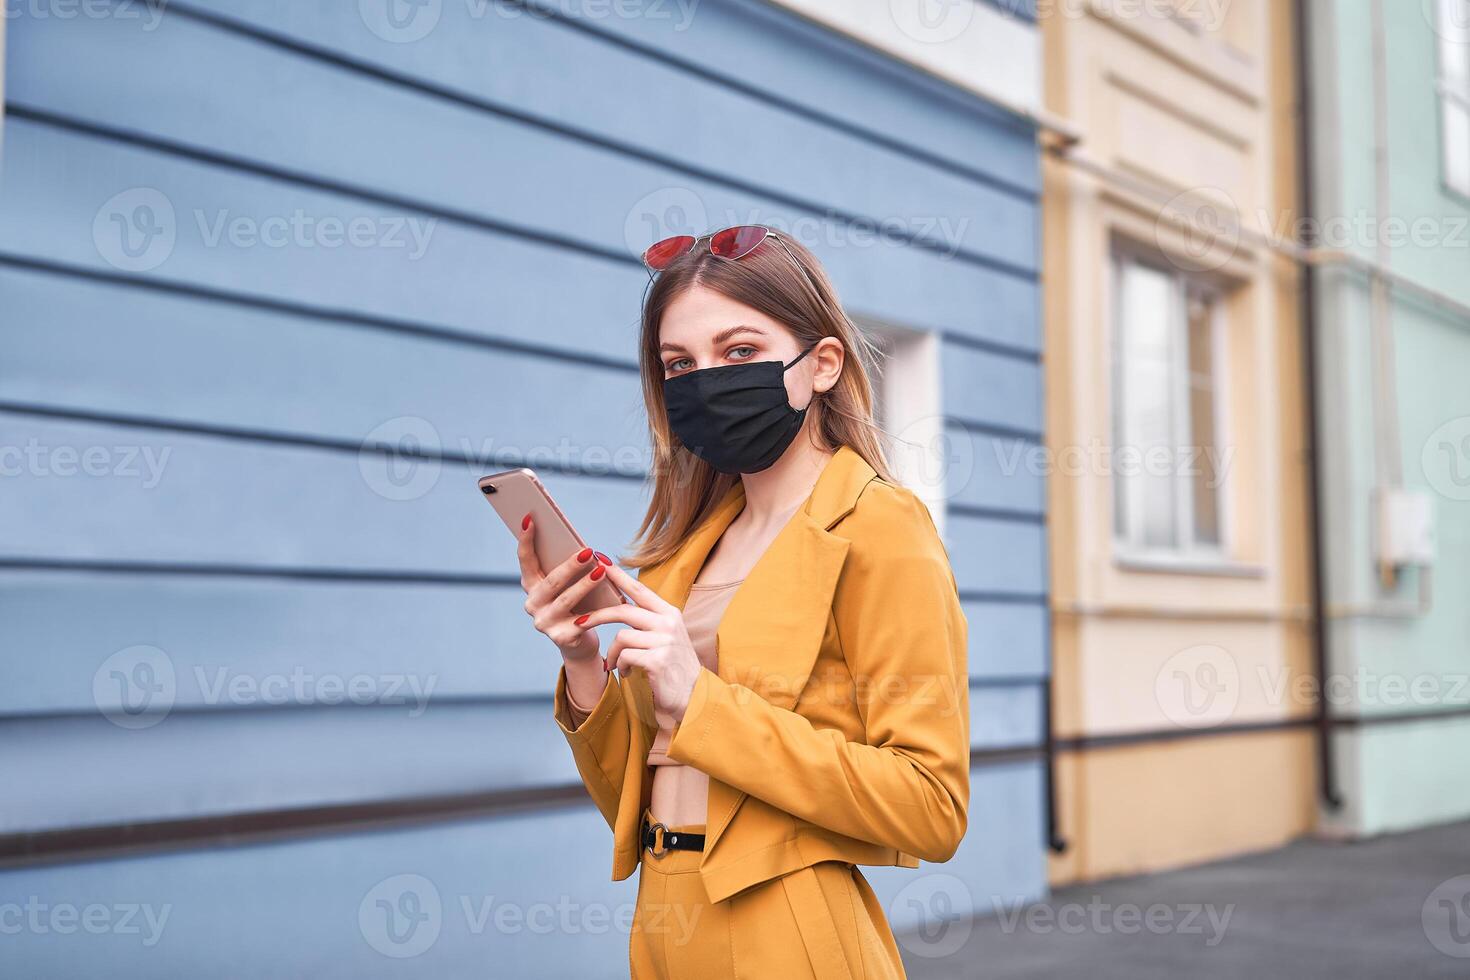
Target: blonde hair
[{"x": 783, "y": 280}]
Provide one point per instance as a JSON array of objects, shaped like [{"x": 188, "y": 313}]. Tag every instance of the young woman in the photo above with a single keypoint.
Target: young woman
[{"x": 788, "y": 696}]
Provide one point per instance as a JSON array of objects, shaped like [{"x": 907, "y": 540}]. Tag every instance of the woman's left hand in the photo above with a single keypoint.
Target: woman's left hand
[{"x": 656, "y": 640}]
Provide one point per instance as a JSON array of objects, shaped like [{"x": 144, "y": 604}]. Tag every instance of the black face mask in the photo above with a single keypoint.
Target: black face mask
[{"x": 736, "y": 417}]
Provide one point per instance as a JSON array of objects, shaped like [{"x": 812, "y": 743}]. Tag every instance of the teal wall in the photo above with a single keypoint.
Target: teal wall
[{"x": 1411, "y": 766}]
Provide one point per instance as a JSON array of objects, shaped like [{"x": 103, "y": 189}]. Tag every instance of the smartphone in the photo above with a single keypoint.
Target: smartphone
[{"x": 516, "y": 493}]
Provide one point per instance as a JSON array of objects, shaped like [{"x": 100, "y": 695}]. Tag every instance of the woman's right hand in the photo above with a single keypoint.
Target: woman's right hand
[{"x": 552, "y": 597}]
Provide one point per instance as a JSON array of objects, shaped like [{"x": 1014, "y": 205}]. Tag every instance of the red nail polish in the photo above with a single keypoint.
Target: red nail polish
[
  {"x": 604, "y": 666},
  {"x": 525, "y": 522},
  {"x": 584, "y": 554},
  {"x": 603, "y": 558},
  {"x": 582, "y": 618},
  {"x": 597, "y": 573}
]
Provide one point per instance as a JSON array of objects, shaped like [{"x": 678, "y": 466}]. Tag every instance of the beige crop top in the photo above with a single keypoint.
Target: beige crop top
[{"x": 680, "y": 793}]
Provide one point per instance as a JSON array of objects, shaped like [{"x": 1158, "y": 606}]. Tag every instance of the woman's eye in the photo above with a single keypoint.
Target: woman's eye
[
  {"x": 741, "y": 353},
  {"x": 682, "y": 364}
]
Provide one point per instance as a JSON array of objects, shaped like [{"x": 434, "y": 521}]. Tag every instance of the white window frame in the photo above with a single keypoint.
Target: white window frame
[
  {"x": 1453, "y": 29},
  {"x": 908, "y": 385},
  {"x": 1128, "y": 541}
]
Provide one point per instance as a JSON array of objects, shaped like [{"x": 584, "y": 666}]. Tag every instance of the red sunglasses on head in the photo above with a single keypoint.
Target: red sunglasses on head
[{"x": 735, "y": 242}]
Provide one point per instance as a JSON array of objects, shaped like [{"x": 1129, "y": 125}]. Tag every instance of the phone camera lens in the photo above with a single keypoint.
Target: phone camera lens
[{"x": 488, "y": 489}]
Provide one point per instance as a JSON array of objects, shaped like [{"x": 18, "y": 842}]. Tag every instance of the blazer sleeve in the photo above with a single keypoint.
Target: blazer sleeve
[
  {"x": 599, "y": 742},
  {"x": 906, "y": 784}
]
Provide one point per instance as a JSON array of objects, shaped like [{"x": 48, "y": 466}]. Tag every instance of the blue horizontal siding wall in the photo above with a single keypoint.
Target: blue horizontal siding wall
[{"x": 289, "y": 435}]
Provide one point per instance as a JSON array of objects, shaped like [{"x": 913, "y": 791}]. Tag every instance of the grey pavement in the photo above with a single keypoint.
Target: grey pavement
[{"x": 1390, "y": 907}]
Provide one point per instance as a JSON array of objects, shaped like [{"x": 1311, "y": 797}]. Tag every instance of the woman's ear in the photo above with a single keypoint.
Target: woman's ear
[{"x": 827, "y": 359}]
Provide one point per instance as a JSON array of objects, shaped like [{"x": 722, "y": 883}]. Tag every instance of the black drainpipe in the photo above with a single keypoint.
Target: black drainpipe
[
  {"x": 1054, "y": 838},
  {"x": 1327, "y": 770}
]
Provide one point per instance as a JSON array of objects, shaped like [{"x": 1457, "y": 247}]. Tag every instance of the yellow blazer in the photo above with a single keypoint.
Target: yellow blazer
[{"x": 838, "y": 726}]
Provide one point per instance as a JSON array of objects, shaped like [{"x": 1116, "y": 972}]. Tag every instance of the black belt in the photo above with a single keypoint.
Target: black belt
[{"x": 654, "y": 835}]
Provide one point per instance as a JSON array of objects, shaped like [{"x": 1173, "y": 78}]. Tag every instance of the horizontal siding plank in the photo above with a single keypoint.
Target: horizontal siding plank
[
  {"x": 304, "y": 113},
  {"x": 993, "y": 472},
  {"x": 990, "y": 555},
  {"x": 1007, "y": 639},
  {"x": 472, "y": 641},
  {"x": 1006, "y": 717},
  {"x": 220, "y": 364},
  {"x": 994, "y": 389},
  {"x": 86, "y": 770},
  {"x": 178, "y": 498}
]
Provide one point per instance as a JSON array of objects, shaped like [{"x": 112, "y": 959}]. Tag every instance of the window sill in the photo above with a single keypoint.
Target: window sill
[{"x": 1177, "y": 564}]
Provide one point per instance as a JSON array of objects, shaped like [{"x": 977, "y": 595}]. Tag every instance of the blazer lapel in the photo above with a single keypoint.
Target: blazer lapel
[
  {"x": 672, "y": 580},
  {"x": 833, "y": 497},
  {"x": 772, "y": 631}
]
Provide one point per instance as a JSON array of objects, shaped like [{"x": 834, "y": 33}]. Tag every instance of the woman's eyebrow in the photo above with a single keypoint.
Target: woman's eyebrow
[
  {"x": 725, "y": 335},
  {"x": 722, "y": 337}
]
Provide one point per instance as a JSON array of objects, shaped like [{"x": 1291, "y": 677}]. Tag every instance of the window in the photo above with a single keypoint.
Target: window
[
  {"x": 1454, "y": 92},
  {"x": 907, "y": 408},
  {"x": 1166, "y": 462}
]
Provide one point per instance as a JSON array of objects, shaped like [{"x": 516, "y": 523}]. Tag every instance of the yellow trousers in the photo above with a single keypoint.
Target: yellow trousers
[{"x": 822, "y": 922}]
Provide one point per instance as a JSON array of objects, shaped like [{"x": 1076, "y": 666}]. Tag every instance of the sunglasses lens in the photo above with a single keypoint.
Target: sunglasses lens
[
  {"x": 738, "y": 242},
  {"x": 658, "y": 255}
]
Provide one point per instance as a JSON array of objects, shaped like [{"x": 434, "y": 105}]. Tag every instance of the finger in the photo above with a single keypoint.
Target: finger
[
  {"x": 556, "y": 581},
  {"x": 631, "y": 640},
  {"x": 624, "y": 659},
  {"x": 526, "y": 553},
  {"x": 634, "y": 616},
  {"x": 561, "y": 606},
  {"x": 641, "y": 594},
  {"x": 560, "y": 611}
]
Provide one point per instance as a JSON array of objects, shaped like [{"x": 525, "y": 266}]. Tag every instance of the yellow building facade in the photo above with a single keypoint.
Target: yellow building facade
[{"x": 1176, "y": 436}]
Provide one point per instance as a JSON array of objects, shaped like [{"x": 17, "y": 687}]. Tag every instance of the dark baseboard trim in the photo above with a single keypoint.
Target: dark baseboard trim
[
  {"x": 981, "y": 758},
  {"x": 1086, "y": 743},
  {"x": 235, "y": 829},
  {"x": 107, "y": 841},
  {"x": 262, "y": 826},
  {"x": 1399, "y": 717},
  {"x": 1083, "y": 743}
]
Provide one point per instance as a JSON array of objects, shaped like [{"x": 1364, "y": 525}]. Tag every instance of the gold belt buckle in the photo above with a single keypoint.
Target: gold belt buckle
[{"x": 658, "y": 850}]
